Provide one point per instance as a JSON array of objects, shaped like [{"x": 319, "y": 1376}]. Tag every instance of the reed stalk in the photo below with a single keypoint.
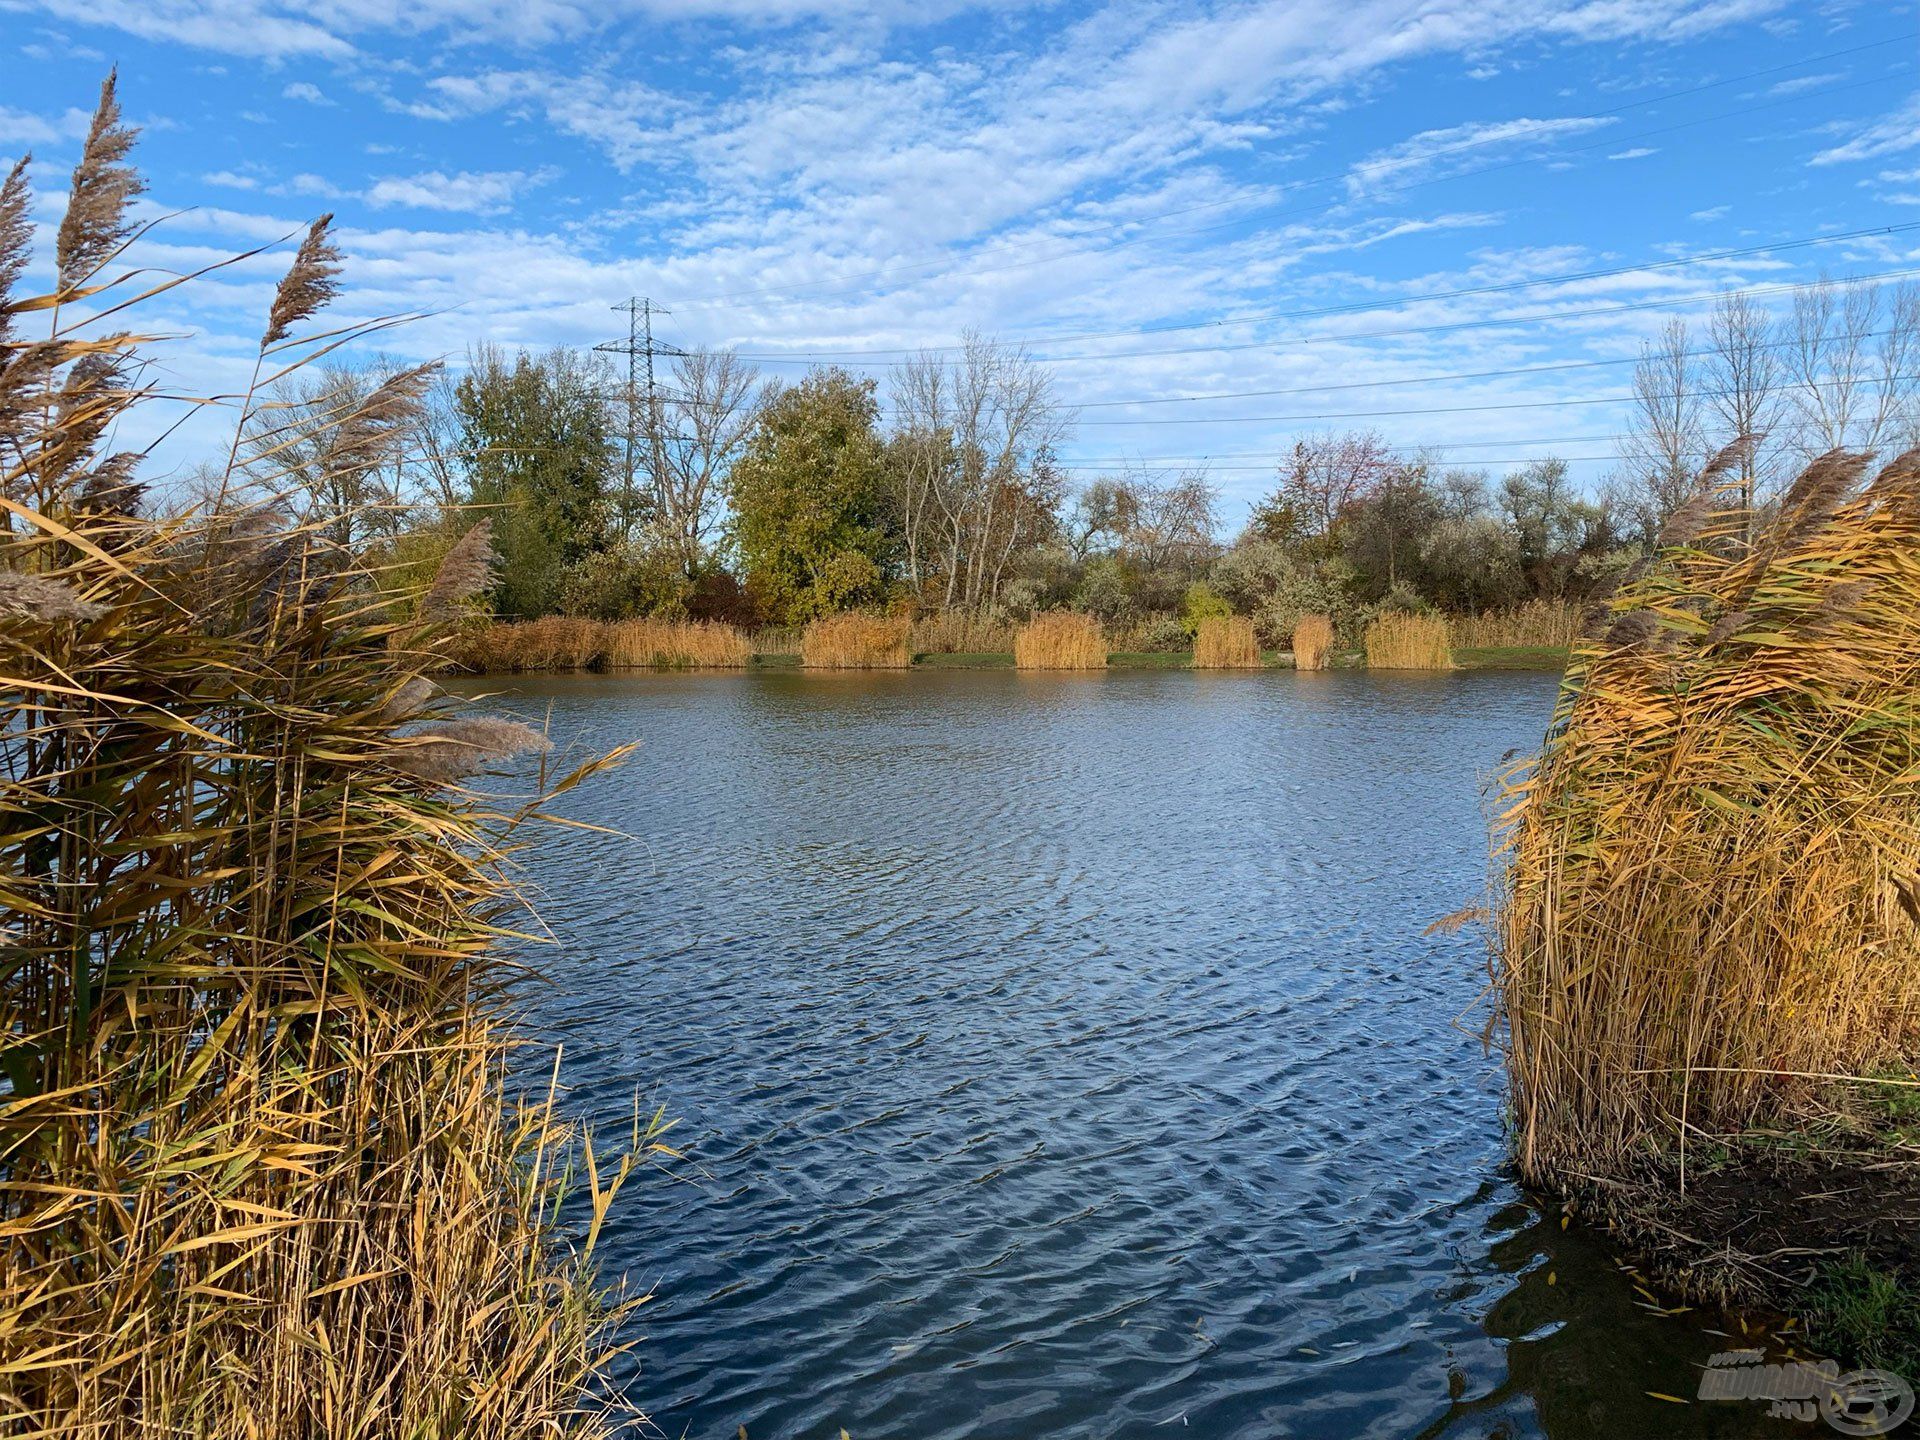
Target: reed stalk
[
  {"x": 1313, "y": 642},
  {"x": 1711, "y": 872},
  {"x": 857, "y": 642},
  {"x": 263, "y": 1171},
  {"x": 1226, "y": 642},
  {"x": 1060, "y": 640},
  {"x": 1402, "y": 641}
]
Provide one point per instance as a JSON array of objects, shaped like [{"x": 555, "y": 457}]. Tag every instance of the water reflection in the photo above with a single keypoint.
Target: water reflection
[{"x": 1063, "y": 1056}]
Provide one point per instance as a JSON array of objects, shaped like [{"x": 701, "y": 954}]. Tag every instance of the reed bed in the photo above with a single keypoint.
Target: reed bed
[
  {"x": 1399, "y": 640},
  {"x": 262, "y": 1173},
  {"x": 1060, "y": 640},
  {"x": 960, "y": 632},
  {"x": 1313, "y": 642},
  {"x": 1226, "y": 642},
  {"x": 857, "y": 642},
  {"x": 675, "y": 644},
  {"x": 1538, "y": 623},
  {"x": 1712, "y": 870}
]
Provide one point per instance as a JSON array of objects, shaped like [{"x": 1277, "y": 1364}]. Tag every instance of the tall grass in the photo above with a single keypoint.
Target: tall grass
[
  {"x": 261, "y": 1172},
  {"x": 1226, "y": 642},
  {"x": 1060, "y": 640},
  {"x": 1554, "y": 623},
  {"x": 857, "y": 642},
  {"x": 961, "y": 632},
  {"x": 675, "y": 644},
  {"x": 1312, "y": 642},
  {"x": 1399, "y": 640},
  {"x": 1712, "y": 870}
]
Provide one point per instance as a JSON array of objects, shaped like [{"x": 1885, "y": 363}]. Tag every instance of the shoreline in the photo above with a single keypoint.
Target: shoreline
[{"x": 1510, "y": 657}]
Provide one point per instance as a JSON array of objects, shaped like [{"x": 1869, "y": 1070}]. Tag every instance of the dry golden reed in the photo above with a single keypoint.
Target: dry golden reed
[
  {"x": 261, "y": 1170},
  {"x": 1313, "y": 642},
  {"x": 1399, "y": 640},
  {"x": 675, "y": 645},
  {"x": 1226, "y": 642},
  {"x": 1544, "y": 623},
  {"x": 857, "y": 642},
  {"x": 1060, "y": 640},
  {"x": 1712, "y": 870},
  {"x": 960, "y": 632}
]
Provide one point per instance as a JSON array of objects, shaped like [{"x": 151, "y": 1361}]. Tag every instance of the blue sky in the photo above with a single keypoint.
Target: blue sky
[{"x": 1163, "y": 201}]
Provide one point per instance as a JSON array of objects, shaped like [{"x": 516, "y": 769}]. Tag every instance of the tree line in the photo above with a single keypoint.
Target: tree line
[{"x": 729, "y": 496}]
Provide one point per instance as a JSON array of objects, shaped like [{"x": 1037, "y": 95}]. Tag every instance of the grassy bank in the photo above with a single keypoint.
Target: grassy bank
[
  {"x": 1708, "y": 935},
  {"x": 1515, "y": 657}
]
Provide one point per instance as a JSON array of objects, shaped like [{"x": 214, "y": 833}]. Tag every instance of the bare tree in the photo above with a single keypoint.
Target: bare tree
[
  {"x": 1850, "y": 360},
  {"x": 978, "y": 482},
  {"x": 1743, "y": 375},
  {"x": 1327, "y": 473},
  {"x": 1666, "y": 437},
  {"x": 709, "y": 417}
]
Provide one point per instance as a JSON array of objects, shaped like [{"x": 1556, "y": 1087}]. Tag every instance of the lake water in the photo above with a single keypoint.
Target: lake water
[{"x": 1064, "y": 1056}]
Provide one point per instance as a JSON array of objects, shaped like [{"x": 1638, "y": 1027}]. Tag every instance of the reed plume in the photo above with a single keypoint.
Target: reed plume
[
  {"x": 16, "y": 239},
  {"x": 465, "y": 572},
  {"x": 310, "y": 282},
  {"x": 104, "y": 185}
]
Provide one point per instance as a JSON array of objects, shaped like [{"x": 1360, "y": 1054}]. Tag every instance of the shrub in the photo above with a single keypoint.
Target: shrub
[
  {"x": 1199, "y": 604},
  {"x": 1399, "y": 641},
  {"x": 1226, "y": 642},
  {"x": 1060, "y": 640},
  {"x": 857, "y": 642},
  {"x": 625, "y": 581},
  {"x": 1312, "y": 643},
  {"x": 1162, "y": 634}
]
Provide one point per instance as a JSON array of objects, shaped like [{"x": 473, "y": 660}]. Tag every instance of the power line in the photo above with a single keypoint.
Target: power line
[{"x": 715, "y": 301}]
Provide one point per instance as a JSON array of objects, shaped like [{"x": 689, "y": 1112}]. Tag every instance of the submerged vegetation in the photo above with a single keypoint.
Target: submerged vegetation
[
  {"x": 262, "y": 1171},
  {"x": 1709, "y": 936}
]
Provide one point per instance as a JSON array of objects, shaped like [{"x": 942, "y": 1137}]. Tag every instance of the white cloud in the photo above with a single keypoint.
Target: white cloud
[
  {"x": 20, "y": 127},
  {"x": 468, "y": 192},
  {"x": 307, "y": 91},
  {"x": 1638, "y": 152},
  {"x": 1888, "y": 136},
  {"x": 1715, "y": 213},
  {"x": 1458, "y": 147},
  {"x": 1803, "y": 82}
]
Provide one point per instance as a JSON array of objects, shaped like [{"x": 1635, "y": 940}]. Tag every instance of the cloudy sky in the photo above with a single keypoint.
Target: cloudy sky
[{"x": 1452, "y": 220}]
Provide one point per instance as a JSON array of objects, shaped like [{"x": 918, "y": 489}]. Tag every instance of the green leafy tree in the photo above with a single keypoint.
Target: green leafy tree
[
  {"x": 536, "y": 442},
  {"x": 809, "y": 493}
]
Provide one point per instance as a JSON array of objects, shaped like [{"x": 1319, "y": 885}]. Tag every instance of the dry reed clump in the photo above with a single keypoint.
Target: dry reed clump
[
  {"x": 1226, "y": 642},
  {"x": 1400, "y": 640},
  {"x": 1313, "y": 642},
  {"x": 553, "y": 642},
  {"x": 1060, "y": 640},
  {"x": 261, "y": 1170},
  {"x": 676, "y": 645},
  {"x": 961, "y": 632},
  {"x": 1550, "y": 623},
  {"x": 1712, "y": 869},
  {"x": 857, "y": 642}
]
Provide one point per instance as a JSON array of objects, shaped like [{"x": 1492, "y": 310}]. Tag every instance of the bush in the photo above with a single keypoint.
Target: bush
[
  {"x": 1201, "y": 603},
  {"x": 1161, "y": 634},
  {"x": 625, "y": 581}
]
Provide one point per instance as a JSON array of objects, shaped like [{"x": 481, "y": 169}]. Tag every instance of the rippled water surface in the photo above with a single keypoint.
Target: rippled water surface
[{"x": 1064, "y": 1056}]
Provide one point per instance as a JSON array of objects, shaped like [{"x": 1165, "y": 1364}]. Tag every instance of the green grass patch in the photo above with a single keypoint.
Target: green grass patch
[
  {"x": 964, "y": 660},
  {"x": 1861, "y": 1312},
  {"x": 1511, "y": 657}
]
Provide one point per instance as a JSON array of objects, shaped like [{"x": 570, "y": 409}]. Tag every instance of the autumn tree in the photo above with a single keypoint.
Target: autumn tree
[{"x": 808, "y": 496}]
